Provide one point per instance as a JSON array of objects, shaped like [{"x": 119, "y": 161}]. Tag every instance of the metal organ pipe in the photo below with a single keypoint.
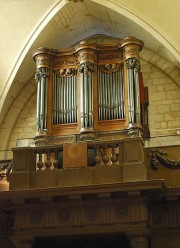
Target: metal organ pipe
[
  {"x": 137, "y": 94},
  {"x": 122, "y": 92},
  {"x": 38, "y": 103},
  {"x": 110, "y": 94},
  {"x": 64, "y": 99}
]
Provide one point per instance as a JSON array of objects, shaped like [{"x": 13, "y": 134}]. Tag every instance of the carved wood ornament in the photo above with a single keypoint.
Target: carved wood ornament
[{"x": 89, "y": 87}]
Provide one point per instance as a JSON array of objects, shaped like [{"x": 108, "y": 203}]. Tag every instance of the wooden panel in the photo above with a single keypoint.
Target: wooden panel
[
  {"x": 110, "y": 125},
  {"x": 64, "y": 129},
  {"x": 75, "y": 155}
]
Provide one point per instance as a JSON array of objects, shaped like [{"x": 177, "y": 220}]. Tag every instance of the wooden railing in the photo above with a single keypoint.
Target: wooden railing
[
  {"x": 78, "y": 163},
  {"x": 98, "y": 155},
  {"x": 51, "y": 157}
]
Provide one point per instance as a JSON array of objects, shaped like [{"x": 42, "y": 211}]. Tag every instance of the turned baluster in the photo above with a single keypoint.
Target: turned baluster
[
  {"x": 55, "y": 162},
  {"x": 40, "y": 163},
  {"x": 48, "y": 161},
  {"x": 105, "y": 157},
  {"x": 114, "y": 157},
  {"x": 98, "y": 157}
]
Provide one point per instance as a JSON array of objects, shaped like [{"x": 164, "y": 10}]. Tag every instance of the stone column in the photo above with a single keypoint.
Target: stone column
[
  {"x": 131, "y": 48},
  {"x": 86, "y": 56}
]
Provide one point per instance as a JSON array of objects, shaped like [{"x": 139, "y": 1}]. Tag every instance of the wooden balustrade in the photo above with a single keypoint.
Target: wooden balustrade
[
  {"x": 106, "y": 154},
  {"x": 62, "y": 165},
  {"x": 50, "y": 158}
]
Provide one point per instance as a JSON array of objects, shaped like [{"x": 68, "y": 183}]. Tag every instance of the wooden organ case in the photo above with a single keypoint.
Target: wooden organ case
[{"x": 93, "y": 86}]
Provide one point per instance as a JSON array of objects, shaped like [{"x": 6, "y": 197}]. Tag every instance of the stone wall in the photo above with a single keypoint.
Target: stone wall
[
  {"x": 164, "y": 106},
  {"x": 25, "y": 127}
]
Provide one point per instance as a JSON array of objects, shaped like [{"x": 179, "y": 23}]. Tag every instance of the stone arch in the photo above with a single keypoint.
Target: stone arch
[
  {"x": 161, "y": 63},
  {"x": 8, "y": 123},
  {"x": 14, "y": 111},
  {"x": 114, "y": 5}
]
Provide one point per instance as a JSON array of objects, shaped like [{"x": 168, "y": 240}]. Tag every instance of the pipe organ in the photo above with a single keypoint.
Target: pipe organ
[{"x": 90, "y": 87}]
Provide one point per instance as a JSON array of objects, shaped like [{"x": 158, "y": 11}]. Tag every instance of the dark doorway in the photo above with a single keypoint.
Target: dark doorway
[{"x": 97, "y": 241}]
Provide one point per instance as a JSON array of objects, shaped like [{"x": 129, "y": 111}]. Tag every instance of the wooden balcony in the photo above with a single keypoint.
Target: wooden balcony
[{"x": 78, "y": 164}]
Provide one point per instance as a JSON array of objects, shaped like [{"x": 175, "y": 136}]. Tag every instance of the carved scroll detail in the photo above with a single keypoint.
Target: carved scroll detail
[
  {"x": 109, "y": 68},
  {"x": 86, "y": 67},
  {"x": 133, "y": 64},
  {"x": 69, "y": 72},
  {"x": 157, "y": 157},
  {"x": 41, "y": 73}
]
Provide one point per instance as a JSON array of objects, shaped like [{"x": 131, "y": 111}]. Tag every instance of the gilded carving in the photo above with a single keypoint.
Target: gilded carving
[
  {"x": 41, "y": 72},
  {"x": 132, "y": 51},
  {"x": 131, "y": 47},
  {"x": 86, "y": 56},
  {"x": 69, "y": 72},
  {"x": 110, "y": 68},
  {"x": 42, "y": 61},
  {"x": 42, "y": 56},
  {"x": 133, "y": 64},
  {"x": 65, "y": 62},
  {"x": 110, "y": 56},
  {"x": 86, "y": 67}
]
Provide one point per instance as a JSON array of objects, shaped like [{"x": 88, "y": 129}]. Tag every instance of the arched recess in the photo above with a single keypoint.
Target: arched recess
[
  {"x": 25, "y": 48},
  {"x": 162, "y": 64},
  {"x": 8, "y": 123},
  {"x": 114, "y": 5},
  {"x": 149, "y": 27}
]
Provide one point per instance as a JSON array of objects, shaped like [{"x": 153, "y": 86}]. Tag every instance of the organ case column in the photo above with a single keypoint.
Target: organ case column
[
  {"x": 86, "y": 58},
  {"x": 42, "y": 58},
  {"x": 131, "y": 48}
]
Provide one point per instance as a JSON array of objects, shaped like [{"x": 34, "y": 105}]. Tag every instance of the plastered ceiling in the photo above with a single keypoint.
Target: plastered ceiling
[{"x": 28, "y": 24}]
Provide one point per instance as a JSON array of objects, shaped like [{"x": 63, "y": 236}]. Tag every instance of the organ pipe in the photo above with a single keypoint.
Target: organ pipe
[
  {"x": 110, "y": 94},
  {"x": 64, "y": 98}
]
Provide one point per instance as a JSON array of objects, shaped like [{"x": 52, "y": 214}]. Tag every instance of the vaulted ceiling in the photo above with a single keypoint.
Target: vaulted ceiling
[{"x": 29, "y": 24}]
